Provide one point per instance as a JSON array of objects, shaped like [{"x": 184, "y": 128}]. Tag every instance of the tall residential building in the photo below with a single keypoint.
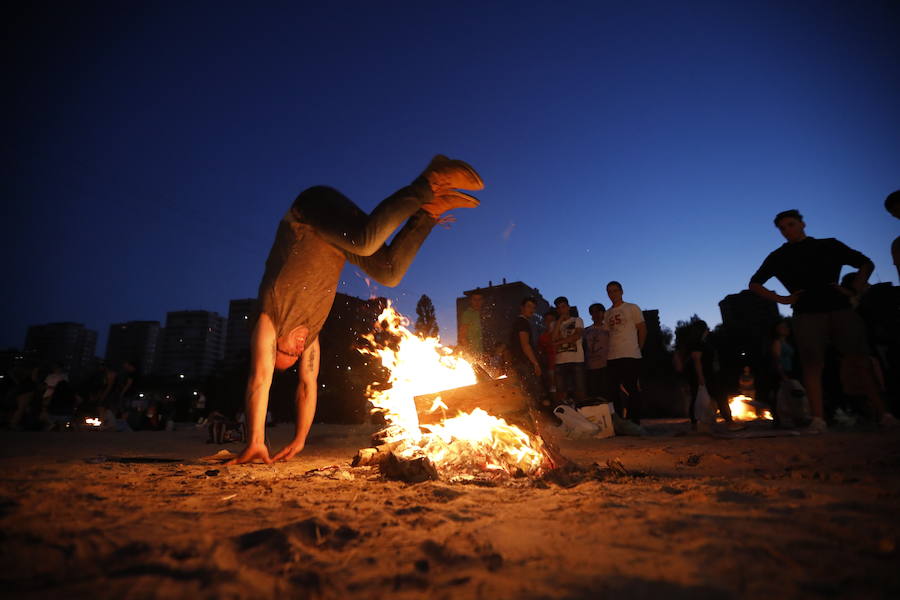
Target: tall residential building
[
  {"x": 502, "y": 304},
  {"x": 193, "y": 343},
  {"x": 69, "y": 343},
  {"x": 344, "y": 372},
  {"x": 241, "y": 318},
  {"x": 134, "y": 341}
]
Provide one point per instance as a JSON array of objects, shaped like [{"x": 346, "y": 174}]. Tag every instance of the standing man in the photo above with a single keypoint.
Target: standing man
[
  {"x": 522, "y": 355},
  {"x": 320, "y": 232},
  {"x": 569, "y": 353},
  {"x": 627, "y": 334},
  {"x": 470, "y": 337},
  {"x": 596, "y": 350},
  {"x": 892, "y": 204},
  {"x": 809, "y": 268}
]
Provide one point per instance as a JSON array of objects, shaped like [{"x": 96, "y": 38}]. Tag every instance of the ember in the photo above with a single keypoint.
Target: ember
[
  {"x": 745, "y": 408},
  {"x": 468, "y": 442}
]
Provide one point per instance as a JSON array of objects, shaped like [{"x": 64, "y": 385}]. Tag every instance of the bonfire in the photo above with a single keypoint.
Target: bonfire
[
  {"x": 466, "y": 443},
  {"x": 745, "y": 408}
]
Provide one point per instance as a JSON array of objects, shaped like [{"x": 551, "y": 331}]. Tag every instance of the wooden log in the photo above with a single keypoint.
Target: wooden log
[
  {"x": 414, "y": 470},
  {"x": 500, "y": 397},
  {"x": 372, "y": 457}
]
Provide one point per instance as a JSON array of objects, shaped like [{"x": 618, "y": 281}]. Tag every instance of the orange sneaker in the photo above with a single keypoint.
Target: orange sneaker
[
  {"x": 448, "y": 200},
  {"x": 443, "y": 173}
]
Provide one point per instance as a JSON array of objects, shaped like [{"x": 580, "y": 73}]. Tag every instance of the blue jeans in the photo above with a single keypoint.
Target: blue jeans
[{"x": 570, "y": 377}]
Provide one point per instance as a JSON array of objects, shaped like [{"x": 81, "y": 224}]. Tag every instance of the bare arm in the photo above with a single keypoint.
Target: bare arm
[
  {"x": 529, "y": 353},
  {"x": 642, "y": 333},
  {"x": 571, "y": 338},
  {"x": 307, "y": 394},
  {"x": 862, "y": 277},
  {"x": 697, "y": 358},
  {"x": 776, "y": 358},
  {"x": 262, "y": 366},
  {"x": 110, "y": 382},
  {"x": 768, "y": 294},
  {"x": 127, "y": 386}
]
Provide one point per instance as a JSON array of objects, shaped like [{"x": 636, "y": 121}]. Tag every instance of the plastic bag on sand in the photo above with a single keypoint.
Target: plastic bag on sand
[
  {"x": 791, "y": 403},
  {"x": 574, "y": 425},
  {"x": 703, "y": 407},
  {"x": 601, "y": 416}
]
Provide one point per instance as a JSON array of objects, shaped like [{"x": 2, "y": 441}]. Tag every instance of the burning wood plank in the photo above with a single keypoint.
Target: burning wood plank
[{"x": 499, "y": 397}]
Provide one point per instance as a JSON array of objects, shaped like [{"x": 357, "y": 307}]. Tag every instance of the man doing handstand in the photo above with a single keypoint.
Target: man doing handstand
[{"x": 320, "y": 232}]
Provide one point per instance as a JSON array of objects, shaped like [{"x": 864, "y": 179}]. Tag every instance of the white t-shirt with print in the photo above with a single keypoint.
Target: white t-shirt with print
[
  {"x": 572, "y": 352},
  {"x": 621, "y": 322}
]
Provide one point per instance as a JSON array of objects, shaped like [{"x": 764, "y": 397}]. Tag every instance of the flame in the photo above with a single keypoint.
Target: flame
[
  {"x": 743, "y": 408},
  {"x": 93, "y": 422},
  {"x": 460, "y": 444}
]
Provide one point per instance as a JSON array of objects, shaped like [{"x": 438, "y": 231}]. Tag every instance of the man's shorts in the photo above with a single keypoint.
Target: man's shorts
[{"x": 844, "y": 328}]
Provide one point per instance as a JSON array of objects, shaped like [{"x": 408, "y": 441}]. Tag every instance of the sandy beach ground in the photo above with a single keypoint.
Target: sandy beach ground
[{"x": 140, "y": 515}]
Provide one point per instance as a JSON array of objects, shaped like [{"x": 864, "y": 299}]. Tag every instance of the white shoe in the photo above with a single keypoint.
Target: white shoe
[
  {"x": 817, "y": 425},
  {"x": 889, "y": 420}
]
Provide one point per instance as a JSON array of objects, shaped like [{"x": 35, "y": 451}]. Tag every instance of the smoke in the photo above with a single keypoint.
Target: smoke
[{"x": 508, "y": 231}]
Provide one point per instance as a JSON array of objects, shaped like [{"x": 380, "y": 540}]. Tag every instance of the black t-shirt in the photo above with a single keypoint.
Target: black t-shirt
[
  {"x": 812, "y": 265},
  {"x": 708, "y": 360},
  {"x": 515, "y": 346}
]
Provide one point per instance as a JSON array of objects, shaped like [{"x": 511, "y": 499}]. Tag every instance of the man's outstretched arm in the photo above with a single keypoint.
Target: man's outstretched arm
[
  {"x": 262, "y": 367},
  {"x": 306, "y": 400}
]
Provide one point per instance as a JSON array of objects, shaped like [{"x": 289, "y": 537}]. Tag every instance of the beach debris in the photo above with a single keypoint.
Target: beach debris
[{"x": 220, "y": 456}]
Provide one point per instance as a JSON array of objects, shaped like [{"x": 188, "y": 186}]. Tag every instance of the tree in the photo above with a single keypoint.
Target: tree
[{"x": 426, "y": 322}]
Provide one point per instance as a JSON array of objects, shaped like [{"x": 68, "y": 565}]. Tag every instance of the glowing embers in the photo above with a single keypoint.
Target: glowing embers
[
  {"x": 465, "y": 444},
  {"x": 745, "y": 408}
]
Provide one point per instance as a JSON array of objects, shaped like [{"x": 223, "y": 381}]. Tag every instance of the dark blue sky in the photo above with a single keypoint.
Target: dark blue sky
[{"x": 152, "y": 147}]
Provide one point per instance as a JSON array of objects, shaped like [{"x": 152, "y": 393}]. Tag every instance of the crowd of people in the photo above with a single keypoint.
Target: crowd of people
[
  {"x": 45, "y": 399},
  {"x": 569, "y": 363}
]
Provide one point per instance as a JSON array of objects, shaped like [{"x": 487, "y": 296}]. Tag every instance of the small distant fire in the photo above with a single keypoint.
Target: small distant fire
[
  {"x": 744, "y": 408},
  {"x": 93, "y": 422},
  {"x": 469, "y": 442}
]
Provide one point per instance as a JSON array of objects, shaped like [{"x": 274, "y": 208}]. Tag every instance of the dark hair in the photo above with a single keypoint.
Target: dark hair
[
  {"x": 551, "y": 313},
  {"x": 615, "y": 283},
  {"x": 693, "y": 333},
  {"x": 891, "y": 202},
  {"x": 527, "y": 299},
  {"x": 560, "y": 299},
  {"x": 787, "y": 214},
  {"x": 596, "y": 305}
]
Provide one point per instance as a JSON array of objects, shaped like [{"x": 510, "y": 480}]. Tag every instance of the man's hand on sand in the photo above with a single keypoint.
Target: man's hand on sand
[
  {"x": 252, "y": 453},
  {"x": 291, "y": 450}
]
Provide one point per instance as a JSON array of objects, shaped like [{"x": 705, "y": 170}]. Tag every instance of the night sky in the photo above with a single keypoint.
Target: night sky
[{"x": 151, "y": 148}]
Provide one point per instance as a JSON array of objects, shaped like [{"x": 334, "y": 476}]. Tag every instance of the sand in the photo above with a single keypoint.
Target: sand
[{"x": 140, "y": 515}]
